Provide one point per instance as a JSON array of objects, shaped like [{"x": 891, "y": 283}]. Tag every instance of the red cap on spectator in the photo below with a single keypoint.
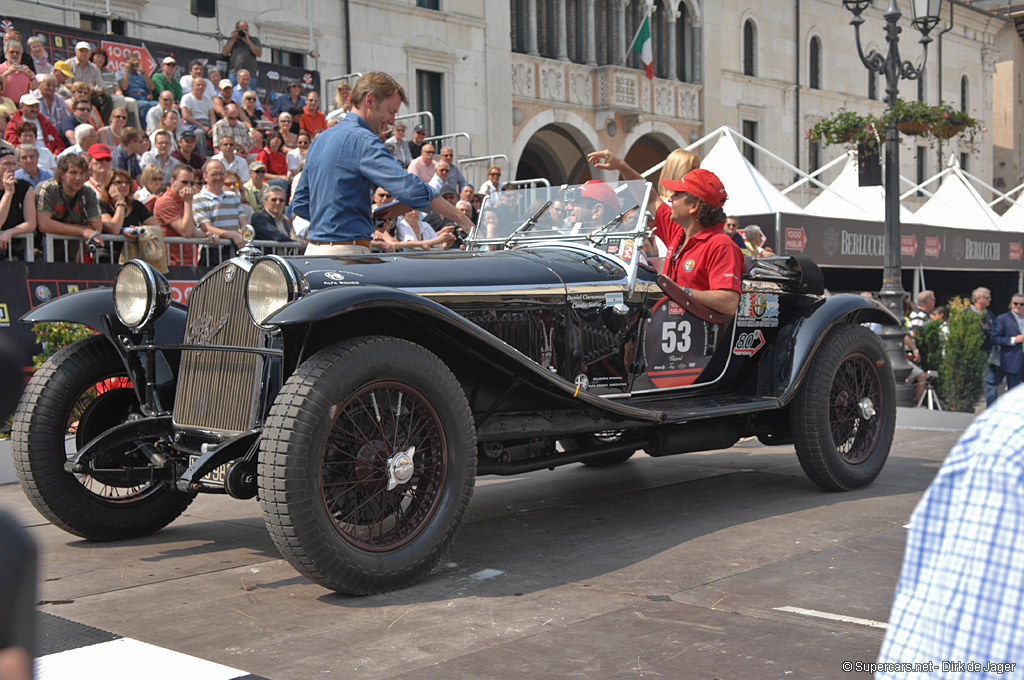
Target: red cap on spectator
[
  {"x": 601, "y": 192},
  {"x": 100, "y": 151},
  {"x": 702, "y": 183}
]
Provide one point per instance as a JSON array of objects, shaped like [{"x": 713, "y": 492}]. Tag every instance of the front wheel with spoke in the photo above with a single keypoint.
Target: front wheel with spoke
[
  {"x": 367, "y": 465},
  {"x": 79, "y": 393},
  {"x": 844, "y": 416}
]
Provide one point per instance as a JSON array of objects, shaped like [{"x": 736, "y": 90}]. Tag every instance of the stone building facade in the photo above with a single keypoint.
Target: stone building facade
[{"x": 539, "y": 83}]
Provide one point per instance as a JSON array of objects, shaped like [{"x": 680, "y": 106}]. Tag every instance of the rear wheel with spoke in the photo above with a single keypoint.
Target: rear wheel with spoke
[
  {"x": 367, "y": 465},
  {"x": 844, "y": 416}
]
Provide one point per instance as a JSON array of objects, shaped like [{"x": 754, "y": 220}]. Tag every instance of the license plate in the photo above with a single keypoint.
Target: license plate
[{"x": 216, "y": 477}]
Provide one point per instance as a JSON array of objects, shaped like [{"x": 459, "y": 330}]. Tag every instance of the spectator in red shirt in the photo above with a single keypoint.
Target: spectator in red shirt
[
  {"x": 313, "y": 119},
  {"x": 708, "y": 263},
  {"x": 173, "y": 209},
  {"x": 273, "y": 157},
  {"x": 28, "y": 110}
]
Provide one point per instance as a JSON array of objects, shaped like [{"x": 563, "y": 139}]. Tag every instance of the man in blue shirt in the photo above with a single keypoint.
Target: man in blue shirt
[
  {"x": 958, "y": 600},
  {"x": 347, "y": 161}
]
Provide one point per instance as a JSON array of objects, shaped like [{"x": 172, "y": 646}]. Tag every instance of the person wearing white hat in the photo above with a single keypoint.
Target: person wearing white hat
[
  {"x": 84, "y": 70},
  {"x": 28, "y": 111}
]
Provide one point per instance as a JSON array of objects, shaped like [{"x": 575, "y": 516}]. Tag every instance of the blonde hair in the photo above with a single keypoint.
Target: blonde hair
[{"x": 678, "y": 163}]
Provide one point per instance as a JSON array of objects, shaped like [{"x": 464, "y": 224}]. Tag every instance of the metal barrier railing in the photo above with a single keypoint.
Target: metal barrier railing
[
  {"x": 180, "y": 250},
  {"x": 27, "y": 243},
  {"x": 454, "y": 135},
  {"x": 476, "y": 167}
]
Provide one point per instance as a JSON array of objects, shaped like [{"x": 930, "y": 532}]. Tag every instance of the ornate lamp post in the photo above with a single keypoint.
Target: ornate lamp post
[{"x": 926, "y": 16}]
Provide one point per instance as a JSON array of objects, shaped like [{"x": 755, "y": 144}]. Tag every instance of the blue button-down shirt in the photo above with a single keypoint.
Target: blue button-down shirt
[
  {"x": 343, "y": 165},
  {"x": 961, "y": 593}
]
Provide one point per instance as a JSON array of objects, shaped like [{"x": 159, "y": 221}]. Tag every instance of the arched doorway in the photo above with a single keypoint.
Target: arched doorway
[
  {"x": 558, "y": 153},
  {"x": 649, "y": 150}
]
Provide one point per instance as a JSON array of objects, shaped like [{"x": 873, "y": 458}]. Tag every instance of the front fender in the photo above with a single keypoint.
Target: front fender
[
  {"x": 434, "y": 326},
  {"x": 808, "y": 331},
  {"x": 95, "y": 308}
]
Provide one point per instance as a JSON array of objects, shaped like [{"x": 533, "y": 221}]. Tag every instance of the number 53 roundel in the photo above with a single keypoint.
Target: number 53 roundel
[{"x": 678, "y": 346}]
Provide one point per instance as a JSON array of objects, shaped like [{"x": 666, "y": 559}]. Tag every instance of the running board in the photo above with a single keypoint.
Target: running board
[{"x": 681, "y": 409}]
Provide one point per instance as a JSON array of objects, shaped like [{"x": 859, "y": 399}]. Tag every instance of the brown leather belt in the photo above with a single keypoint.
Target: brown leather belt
[{"x": 357, "y": 242}]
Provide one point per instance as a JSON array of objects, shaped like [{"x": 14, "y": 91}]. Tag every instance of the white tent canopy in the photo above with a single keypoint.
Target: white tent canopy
[
  {"x": 846, "y": 198},
  {"x": 1013, "y": 219},
  {"x": 750, "y": 192},
  {"x": 958, "y": 205}
]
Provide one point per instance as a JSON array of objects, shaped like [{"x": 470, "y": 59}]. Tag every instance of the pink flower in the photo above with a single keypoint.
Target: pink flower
[
  {"x": 984, "y": 129},
  {"x": 945, "y": 115}
]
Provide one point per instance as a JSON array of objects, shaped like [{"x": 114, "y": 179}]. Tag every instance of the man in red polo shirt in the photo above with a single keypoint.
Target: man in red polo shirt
[
  {"x": 312, "y": 119},
  {"x": 708, "y": 263}
]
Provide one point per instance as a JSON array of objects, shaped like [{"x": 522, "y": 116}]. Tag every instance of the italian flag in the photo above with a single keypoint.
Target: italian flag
[{"x": 642, "y": 46}]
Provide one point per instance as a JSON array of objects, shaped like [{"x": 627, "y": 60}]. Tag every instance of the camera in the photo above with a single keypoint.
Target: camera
[
  {"x": 460, "y": 238},
  {"x": 241, "y": 34}
]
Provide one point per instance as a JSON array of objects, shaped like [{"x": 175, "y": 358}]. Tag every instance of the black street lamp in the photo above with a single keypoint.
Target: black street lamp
[{"x": 926, "y": 16}]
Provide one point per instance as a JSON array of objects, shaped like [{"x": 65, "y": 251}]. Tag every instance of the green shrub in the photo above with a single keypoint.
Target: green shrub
[
  {"x": 54, "y": 336},
  {"x": 929, "y": 342},
  {"x": 963, "y": 366}
]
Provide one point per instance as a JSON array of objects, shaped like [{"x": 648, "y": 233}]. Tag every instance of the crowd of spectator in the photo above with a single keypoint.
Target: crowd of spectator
[{"x": 88, "y": 150}]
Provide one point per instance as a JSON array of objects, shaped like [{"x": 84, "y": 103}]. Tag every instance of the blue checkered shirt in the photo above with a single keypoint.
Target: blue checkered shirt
[{"x": 960, "y": 596}]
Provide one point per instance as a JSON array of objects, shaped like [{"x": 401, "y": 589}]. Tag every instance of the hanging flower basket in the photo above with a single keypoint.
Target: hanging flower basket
[
  {"x": 912, "y": 126},
  {"x": 846, "y": 128},
  {"x": 946, "y": 130}
]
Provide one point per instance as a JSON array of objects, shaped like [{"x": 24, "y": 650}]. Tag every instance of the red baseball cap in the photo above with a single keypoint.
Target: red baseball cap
[
  {"x": 601, "y": 192},
  {"x": 99, "y": 151},
  {"x": 702, "y": 183}
]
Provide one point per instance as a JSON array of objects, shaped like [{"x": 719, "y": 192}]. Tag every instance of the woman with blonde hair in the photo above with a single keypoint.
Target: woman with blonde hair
[
  {"x": 150, "y": 185},
  {"x": 111, "y": 134},
  {"x": 169, "y": 120},
  {"x": 677, "y": 164}
]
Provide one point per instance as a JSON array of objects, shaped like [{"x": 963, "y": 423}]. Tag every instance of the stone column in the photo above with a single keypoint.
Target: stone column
[
  {"x": 671, "y": 17},
  {"x": 589, "y": 33},
  {"x": 561, "y": 40},
  {"x": 620, "y": 30},
  {"x": 531, "y": 28}
]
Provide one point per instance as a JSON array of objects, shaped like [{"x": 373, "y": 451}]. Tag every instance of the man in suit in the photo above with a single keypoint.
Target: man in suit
[{"x": 1008, "y": 333}]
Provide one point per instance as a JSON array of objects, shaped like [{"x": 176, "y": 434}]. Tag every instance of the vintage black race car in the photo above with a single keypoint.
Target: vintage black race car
[{"x": 359, "y": 398}]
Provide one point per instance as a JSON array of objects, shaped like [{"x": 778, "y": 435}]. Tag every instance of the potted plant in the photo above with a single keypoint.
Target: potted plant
[
  {"x": 847, "y": 128},
  {"x": 910, "y": 117},
  {"x": 964, "y": 363},
  {"x": 951, "y": 122}
]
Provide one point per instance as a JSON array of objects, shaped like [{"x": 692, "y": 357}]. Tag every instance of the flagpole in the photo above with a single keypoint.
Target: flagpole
[{"x": 640, "y": 27}]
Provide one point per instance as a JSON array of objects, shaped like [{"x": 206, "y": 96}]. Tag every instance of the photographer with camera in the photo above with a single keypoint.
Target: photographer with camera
[
  {"x": 241, "y": 51},
  {"x": 136, "y": 84}
]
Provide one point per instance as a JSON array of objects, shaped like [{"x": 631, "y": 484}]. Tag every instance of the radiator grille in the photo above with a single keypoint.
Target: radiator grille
[{"x": 218, "y": 390}]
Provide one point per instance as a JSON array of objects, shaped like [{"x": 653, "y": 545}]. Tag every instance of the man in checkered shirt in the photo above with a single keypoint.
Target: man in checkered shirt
[{"x": 960, "y": 597}]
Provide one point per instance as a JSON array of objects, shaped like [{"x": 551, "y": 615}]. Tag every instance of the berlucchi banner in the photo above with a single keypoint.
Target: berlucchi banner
[{"x": 833, "y": 242}]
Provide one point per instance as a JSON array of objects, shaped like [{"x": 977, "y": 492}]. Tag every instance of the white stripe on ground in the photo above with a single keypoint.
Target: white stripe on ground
[
  {"x": 127, "y": 659},
  {"x": 832, "y": 617}
]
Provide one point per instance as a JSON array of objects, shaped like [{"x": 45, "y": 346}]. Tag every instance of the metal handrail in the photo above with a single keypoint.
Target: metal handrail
[
  {"x": 469, "y": 140},
  {"x": 346, "y": 77},
  {"x": 480, "y": 159},
  {"x": 418, "y": 114},
  {"x": 542, "y": 181}
]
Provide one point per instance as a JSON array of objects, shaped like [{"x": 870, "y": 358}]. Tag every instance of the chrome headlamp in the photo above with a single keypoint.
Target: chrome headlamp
[
  {"x": 141, "y": 294},
  {"x": 272, "y": 284}
]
